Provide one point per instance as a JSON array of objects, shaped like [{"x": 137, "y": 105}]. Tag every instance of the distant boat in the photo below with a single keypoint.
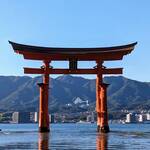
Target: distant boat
[
  {"x": 83, "y": 122},
  {"x": 0, "y": 129}
]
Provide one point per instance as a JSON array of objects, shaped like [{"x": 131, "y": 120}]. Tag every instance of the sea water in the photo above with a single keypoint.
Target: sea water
[{"x": 75, "y": 137}]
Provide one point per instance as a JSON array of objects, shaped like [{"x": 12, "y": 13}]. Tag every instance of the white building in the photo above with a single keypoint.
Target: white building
[
  {"x": 78, "y": 100},
  {"x": 147, "y": 116},
  {"x": 130, "y": 118},
  {"x": 88, "y": 118},
  {"x": 51, "y": 118},
  {"x": 141, "y": 118},
  {"x": 35, "y": 116}
]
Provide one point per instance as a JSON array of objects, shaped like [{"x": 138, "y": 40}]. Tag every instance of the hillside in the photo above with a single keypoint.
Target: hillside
[{"x": 22, "y": 93}]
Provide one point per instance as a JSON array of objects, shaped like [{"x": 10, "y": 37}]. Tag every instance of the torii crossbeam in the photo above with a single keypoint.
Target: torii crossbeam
[{"x": 73, "y": 55}]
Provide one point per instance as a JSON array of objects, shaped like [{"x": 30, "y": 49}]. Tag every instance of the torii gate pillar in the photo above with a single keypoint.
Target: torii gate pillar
[
  {"x": 104, "y": 113},
  {"x": 101, "y": 105},
  {"x": 43, "y": 105}
]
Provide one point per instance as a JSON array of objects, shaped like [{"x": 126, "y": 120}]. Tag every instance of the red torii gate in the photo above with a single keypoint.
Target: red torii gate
[{"x": 73, "y": 55}]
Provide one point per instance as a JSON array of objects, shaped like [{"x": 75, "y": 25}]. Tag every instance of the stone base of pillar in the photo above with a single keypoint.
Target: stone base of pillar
[
  {"x": 104, "y": 129},
  {"x": 44, "y": 129}
]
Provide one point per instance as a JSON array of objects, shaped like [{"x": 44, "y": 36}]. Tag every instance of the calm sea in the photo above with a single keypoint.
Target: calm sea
[{"x": 75, "y": 137}]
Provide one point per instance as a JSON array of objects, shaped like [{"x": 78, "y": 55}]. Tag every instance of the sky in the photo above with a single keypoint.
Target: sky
[{"x": 76, "y": 23}]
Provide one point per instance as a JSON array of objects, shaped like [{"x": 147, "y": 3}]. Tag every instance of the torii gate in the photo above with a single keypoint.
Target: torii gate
[{"x": 73, "y": 55}]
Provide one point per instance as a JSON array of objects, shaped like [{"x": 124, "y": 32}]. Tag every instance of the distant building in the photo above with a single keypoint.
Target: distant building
[
  {"x": 91, "y": 118},
  {"x": 140, "y": 118},
  {"x": 88, "y": 118},
  {"x": 130, "y": 118},
  {"x": 78, "y": 100},
  {"x": 143, "y": 117},
  {"x": 15, "y": 117},
  {"x": 87, "y": 102},
  {"x": 148, "y": 117},
  {"x": 21, "y": 117},
  {"x": 51, "y": 118},
  {"x": 34, "y": 117}
]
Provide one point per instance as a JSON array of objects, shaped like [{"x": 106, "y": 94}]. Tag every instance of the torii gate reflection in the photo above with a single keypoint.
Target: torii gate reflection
[
  {"x": 73, "y": 55},
  {"x": 44, "y": 141},
  {"x": 102, "y": 141}
]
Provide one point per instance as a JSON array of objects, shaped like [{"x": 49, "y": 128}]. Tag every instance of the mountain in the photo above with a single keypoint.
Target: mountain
[{"x": 22, "y": 93}]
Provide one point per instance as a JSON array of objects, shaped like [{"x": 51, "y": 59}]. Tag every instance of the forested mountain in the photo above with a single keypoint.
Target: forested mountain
[{"x": 22, "y": 93}]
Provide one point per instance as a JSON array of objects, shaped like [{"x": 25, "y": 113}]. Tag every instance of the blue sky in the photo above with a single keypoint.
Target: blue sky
[{"x": 76, "y": 23}]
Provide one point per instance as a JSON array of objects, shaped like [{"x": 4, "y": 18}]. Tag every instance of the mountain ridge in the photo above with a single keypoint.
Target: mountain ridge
[{"x": 21, "y": 93}]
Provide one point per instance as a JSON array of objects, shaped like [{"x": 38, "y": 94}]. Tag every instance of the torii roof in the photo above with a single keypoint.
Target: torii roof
[{"x": 59, "y": 53}]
